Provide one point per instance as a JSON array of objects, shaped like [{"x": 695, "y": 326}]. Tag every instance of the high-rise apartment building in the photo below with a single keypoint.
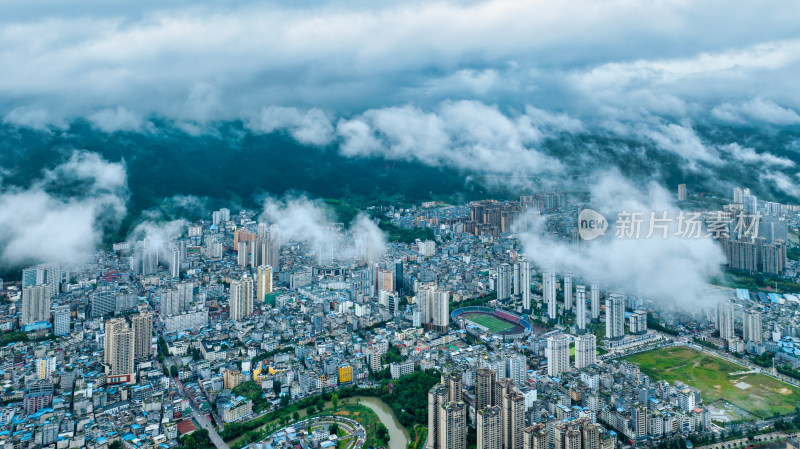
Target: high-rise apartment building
[
  {"x": 35, "y": 304},
  {"x": 240, "y": 303},
  {"x": 535, "y": 437},
  {"x": 489, "y": 428},
  {"x": 524, "y": 283},
  {"x": 119, "y": 351},
  {"x": 453, "y": 426},
  {"x": 725, "y": 320},
  {"x": 264, "y": 282},
  {"x": 585, "y": 350},
  {"x": 580, "y": 308},
  {"x": 102, "y": 302},
  {"x": 549, "y": 293},
  {"x": 61, "y": 320},
  {"x": 615, "y": 317},
  {"x": 503, "y": 282},
  {"x": 568, "y": 292},
  {"x": 434, "y": 307},
  {"x": 752, "y": 326},
  {"x": 637, "y": 323},
  {"x": 484, "y": 387},
  {"x": 142, "y": 324},
  {"x": 595, "y": 303},
  {"x": 557, "y": 354},
  {"x": 681, "y": 192}
]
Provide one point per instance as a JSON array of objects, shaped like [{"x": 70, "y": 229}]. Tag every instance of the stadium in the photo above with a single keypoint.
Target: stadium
[{"x": 485, "y": 320}]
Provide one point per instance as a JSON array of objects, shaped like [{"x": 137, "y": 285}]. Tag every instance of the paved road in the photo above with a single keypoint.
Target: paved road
[{"x": 212, "y": 432}]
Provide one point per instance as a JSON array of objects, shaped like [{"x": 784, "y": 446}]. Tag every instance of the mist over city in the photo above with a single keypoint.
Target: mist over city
[{"x": 487, "y": 224}]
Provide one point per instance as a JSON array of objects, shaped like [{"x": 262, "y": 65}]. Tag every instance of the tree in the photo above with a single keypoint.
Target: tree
[
  {"x": 166, "y": 371},
  {"x": 276, "y": 387},
  {"x": 173, "y": 370},
  {"x": 296, "y": 416},
  {"x": 333, "y": 429},
  {"x": 115, "y": 445},
  {"x": 284, "y": 400},
  {"x": 335, "y": 401}
]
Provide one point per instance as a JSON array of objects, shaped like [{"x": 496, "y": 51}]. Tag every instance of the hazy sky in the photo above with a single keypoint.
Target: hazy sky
[
  {"x": 619, "y": 60},
  {"x": 476, "y": 85}
]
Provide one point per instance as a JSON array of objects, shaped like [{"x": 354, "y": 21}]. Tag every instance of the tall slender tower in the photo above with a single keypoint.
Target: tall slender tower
[
  {"x": 725, "y": 316},
  {"x": 580, "y": 308},
  {"x": 567, "y": 292},
  {"x": 615, "y": 317},
  {"x": 264, "y": 277},
  {"x": 484, "y": 388},
  {"x": 525, "y": 283},
  {"x": 503, "y": 282},
  {"x": 549, "y": 292},
  {"x": 143, "y": 332},
  {"x": 595, "y": 292}
]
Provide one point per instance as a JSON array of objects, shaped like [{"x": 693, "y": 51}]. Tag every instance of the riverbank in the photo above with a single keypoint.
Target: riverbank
[{"x": 398, "y": 435}]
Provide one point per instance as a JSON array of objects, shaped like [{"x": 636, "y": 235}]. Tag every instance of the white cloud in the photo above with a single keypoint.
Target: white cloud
[
  {"x": 310, "y": 127},
  {"x": 463, "y": 134},
  {"x": 303, "y": 220},
  {"x": 42, "y": 224},
  {"x": 757, "y": 110},
  {"x": 672, "y": 271},
  {"x": 750, "y": 156},
  {"x": 683, "y": 142},
  {"x": 782, "y": 182},
  {"x": 111, "y": 120}
]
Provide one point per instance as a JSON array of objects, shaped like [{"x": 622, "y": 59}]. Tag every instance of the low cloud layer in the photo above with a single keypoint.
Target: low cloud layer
[
  {"x": 61, "y": 217},
  {"x": 672, "y": 271},
  {"x": 303, "y": 220}
]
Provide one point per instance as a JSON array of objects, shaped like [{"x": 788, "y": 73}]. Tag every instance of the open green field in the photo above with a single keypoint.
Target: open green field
[
  {"x": 761, "y": 395},
  {"x": 494, "y": 324}
]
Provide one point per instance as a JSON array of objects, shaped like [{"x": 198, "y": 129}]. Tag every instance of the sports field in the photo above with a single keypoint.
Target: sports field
[
  {"x": 761, "y": 395},
  {"x": 494, "y": 324}
]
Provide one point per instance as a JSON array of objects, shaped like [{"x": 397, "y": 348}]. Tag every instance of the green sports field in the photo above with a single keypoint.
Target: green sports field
[
  {"x": 761, "y": 395},
  {"x": 494, "y": 324}
]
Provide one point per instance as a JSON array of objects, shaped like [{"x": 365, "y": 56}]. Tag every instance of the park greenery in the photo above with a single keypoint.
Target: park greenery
[
  {"x": 198, "y": 439},
  {"x": 252, "y": 390},
  {"x": 407, "y": 397}
]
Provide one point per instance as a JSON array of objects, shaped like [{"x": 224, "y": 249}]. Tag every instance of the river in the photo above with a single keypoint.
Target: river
[{"x": 398, "y": 435}]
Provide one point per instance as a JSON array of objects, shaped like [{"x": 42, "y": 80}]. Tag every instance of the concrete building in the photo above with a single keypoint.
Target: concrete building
[
  {"x": 752, "y": 327},
  {"x": 143, "y": 330},
  {"x": 615, "y": 317},
  {"x": 725, "y": 320},
  {"x": 549, "y": 294},
  {"x": 585, "y": 350},
  {"x": 595, "y": 293},
  {"x": 35, "y": 304},
  {"x": 241, "y": 299},
  {"x": 580, "y": 308},
  {"x": 264, "y": 284},
  {"x": 119, "y": 351},
  {"x": 557, "y": 354},
  {"x": 489, "y": 428}
]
